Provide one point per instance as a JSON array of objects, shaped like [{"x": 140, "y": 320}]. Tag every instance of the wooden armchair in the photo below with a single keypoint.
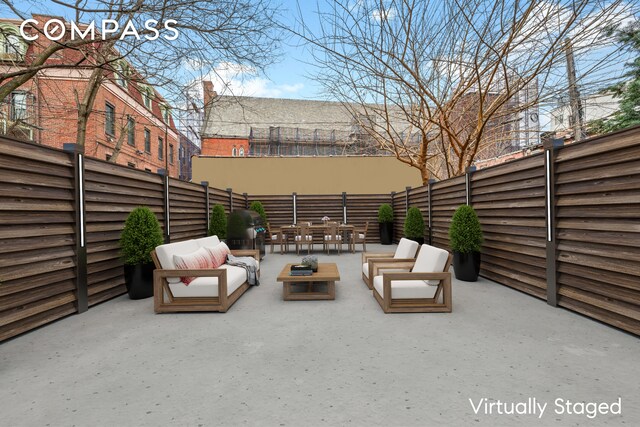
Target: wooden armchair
[
  {"x": 406, "y": 251},
  {"x": 332, "y": 236},
  {"x": 359, "y": 235},
  {"x": 303, "y": 237},
  {"x": 278, "y": 236},
  {"x": 426, "y": 288}
]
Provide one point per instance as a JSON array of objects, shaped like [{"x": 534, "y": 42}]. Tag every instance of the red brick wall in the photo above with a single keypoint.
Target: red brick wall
[{"x": 223, "y": 146}]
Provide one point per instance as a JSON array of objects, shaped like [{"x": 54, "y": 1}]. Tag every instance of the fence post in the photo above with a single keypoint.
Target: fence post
[
  {"x": 246, "y": 200},
  {"x": 205, "y": 184},
  {"x": 295, "y": 207},
  {"x": 82, "y": 288},
  {"x": 230, "y": 191},
  {"x": 467, "y": 182},
  {"x": 429, "y": 189},
  {"x": 406, "y": 199},
  {"x": 550, "y": 148},
  {"x": 167, "y": 206},
  {"x": 344, "y": 207}
]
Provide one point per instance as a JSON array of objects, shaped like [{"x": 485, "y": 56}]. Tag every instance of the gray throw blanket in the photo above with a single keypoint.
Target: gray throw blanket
[{"x": 248, "y": 263}]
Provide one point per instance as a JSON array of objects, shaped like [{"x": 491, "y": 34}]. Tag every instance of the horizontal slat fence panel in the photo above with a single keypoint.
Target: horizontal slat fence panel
[
  {"x": 279, "y": 209},
  {"x": 399, "y": 205},
  {"x": 446, "y": 196},
  {"x": 510, "y": 202},
  {"x": 219, "y": 197},
  {"x": 311, "y": 208},
  {"x": 37, "y": 236},
  {"x": 111, "y": 193},
  {"x": 419, "y": 198},
  {"x": 188, "y": 210},
  {"x": 597, "y": 229},
  {"x": 362, "y": 208}
]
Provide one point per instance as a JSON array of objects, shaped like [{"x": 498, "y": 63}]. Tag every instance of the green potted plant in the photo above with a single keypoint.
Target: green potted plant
[
  {"x": 140, "y": 236},
  {"x": 414, "y": 225},
  {"x": 257, "y": 207},
  {"x": 218, "y": 222},
  {"x": 465, "y": 236},
  {"x": 385, "y": 223}
]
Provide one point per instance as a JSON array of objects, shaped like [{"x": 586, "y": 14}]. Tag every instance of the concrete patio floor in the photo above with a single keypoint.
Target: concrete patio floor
[{"x": 313, "y": 363}]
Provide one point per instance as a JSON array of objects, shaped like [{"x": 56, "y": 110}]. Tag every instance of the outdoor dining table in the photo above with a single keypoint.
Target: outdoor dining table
[{"x": 345, "y": 229}]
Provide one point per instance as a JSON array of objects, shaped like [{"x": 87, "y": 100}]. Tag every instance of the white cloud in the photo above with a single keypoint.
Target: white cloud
[{"x": 239, "y": 80}]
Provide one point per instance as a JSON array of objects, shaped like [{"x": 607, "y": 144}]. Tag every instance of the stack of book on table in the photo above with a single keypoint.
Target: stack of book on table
[{"x": 301, "y": 270}]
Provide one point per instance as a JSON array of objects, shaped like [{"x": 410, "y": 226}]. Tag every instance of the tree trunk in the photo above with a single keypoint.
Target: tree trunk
[{"x": 86, "y": 106}]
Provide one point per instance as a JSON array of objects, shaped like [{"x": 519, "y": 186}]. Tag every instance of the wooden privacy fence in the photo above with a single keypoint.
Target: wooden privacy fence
[
  {"x": 563, "y": 226},
  {"x": 61, "y": 216}
]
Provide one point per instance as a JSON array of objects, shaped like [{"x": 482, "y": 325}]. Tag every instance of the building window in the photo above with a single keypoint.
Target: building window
[
  {"x": 166, "y": 113},
  {"x": 18, "y": 106},
  {"x": 131, "y": 131},
  {"x": 234, "y": 152},
  {"x": 241, "y": 152},
  {"x": 160, "y": 148},
  {"x": 12, "y": 47},
  {"x": 108, "y": 157},
  {"x": 171, "y": 153},
  {"x": 147, "y": 95},
  {"x": 181, "y": 153},
  {"x": 131, "y": 165},
  {"x": 121, "y": 73},
  {"x": 147, "y": 141},
  {"x": 110, "y": 119}
]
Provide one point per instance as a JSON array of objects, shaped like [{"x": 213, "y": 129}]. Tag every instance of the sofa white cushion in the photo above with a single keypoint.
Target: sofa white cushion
[
  {"x": 406, "y": 289},
  {"x": 406, "y": 249},
  {"x": 430, "y": 260},
  {"x": 208, "y": 286},
  {"x": 207, "y": 242},
  {"x": 166, "y": 252}
]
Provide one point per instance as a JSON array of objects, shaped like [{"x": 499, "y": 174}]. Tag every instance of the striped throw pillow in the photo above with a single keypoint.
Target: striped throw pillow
[
  {"x": 198, "y": 260},
  {"x": 218, "y": 254}
]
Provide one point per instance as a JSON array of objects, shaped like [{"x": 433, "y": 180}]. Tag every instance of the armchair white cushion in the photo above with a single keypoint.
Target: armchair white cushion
[{"x": 406, "y": 248}]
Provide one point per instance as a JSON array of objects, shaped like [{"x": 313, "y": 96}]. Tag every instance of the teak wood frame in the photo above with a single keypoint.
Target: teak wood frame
[
  {"x": 415, "y": 305},
  {"x": 372, "y": 258},
  {"x": 165, "y": 302}
]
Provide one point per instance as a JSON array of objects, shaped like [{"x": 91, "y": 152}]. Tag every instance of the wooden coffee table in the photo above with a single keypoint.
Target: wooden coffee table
[{"x": 307, "y": 286}]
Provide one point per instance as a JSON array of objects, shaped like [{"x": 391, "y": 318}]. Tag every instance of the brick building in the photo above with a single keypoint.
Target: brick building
[
  {"x": 127, "y": 112},
  {"x": 188, "y": 149}
]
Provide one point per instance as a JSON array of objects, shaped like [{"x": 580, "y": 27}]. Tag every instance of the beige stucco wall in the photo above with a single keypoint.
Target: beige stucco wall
[{"x": 306, "y": 175}]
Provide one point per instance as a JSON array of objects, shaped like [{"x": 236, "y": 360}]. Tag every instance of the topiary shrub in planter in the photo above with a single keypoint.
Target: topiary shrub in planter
[
  {"x": 385, "y": 223},
  {"x": 218, "y": 222},
  {"x": 414, "y": 225},
  {"x": 140, "y": 236},
  {"x": 465, "y": 237},
  {"x": 257, "y": 207}
]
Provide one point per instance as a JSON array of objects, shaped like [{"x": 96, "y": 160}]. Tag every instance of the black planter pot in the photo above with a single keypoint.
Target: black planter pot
[
  {"x": 139, "y": 280},
  {"x": 466, "y": 265},
  {"x": 386, "y": 232},
  {"x": 420, "y": 240}
]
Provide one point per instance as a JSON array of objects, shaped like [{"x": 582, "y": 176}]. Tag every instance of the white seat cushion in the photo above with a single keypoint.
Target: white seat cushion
[
  {"x": 365, "y": 269},
  {"x": 406, "y": 249},
  {"x": 208, "y": 286},
  {"x": 207, "y": 242},
  {"x": 307, "y": 238},
  {"x": 406, "y": 289},
  {"x": 430, "y": 260},
  {"x": 166, "y": 252},
  {"x": 332, "y": 238}
]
